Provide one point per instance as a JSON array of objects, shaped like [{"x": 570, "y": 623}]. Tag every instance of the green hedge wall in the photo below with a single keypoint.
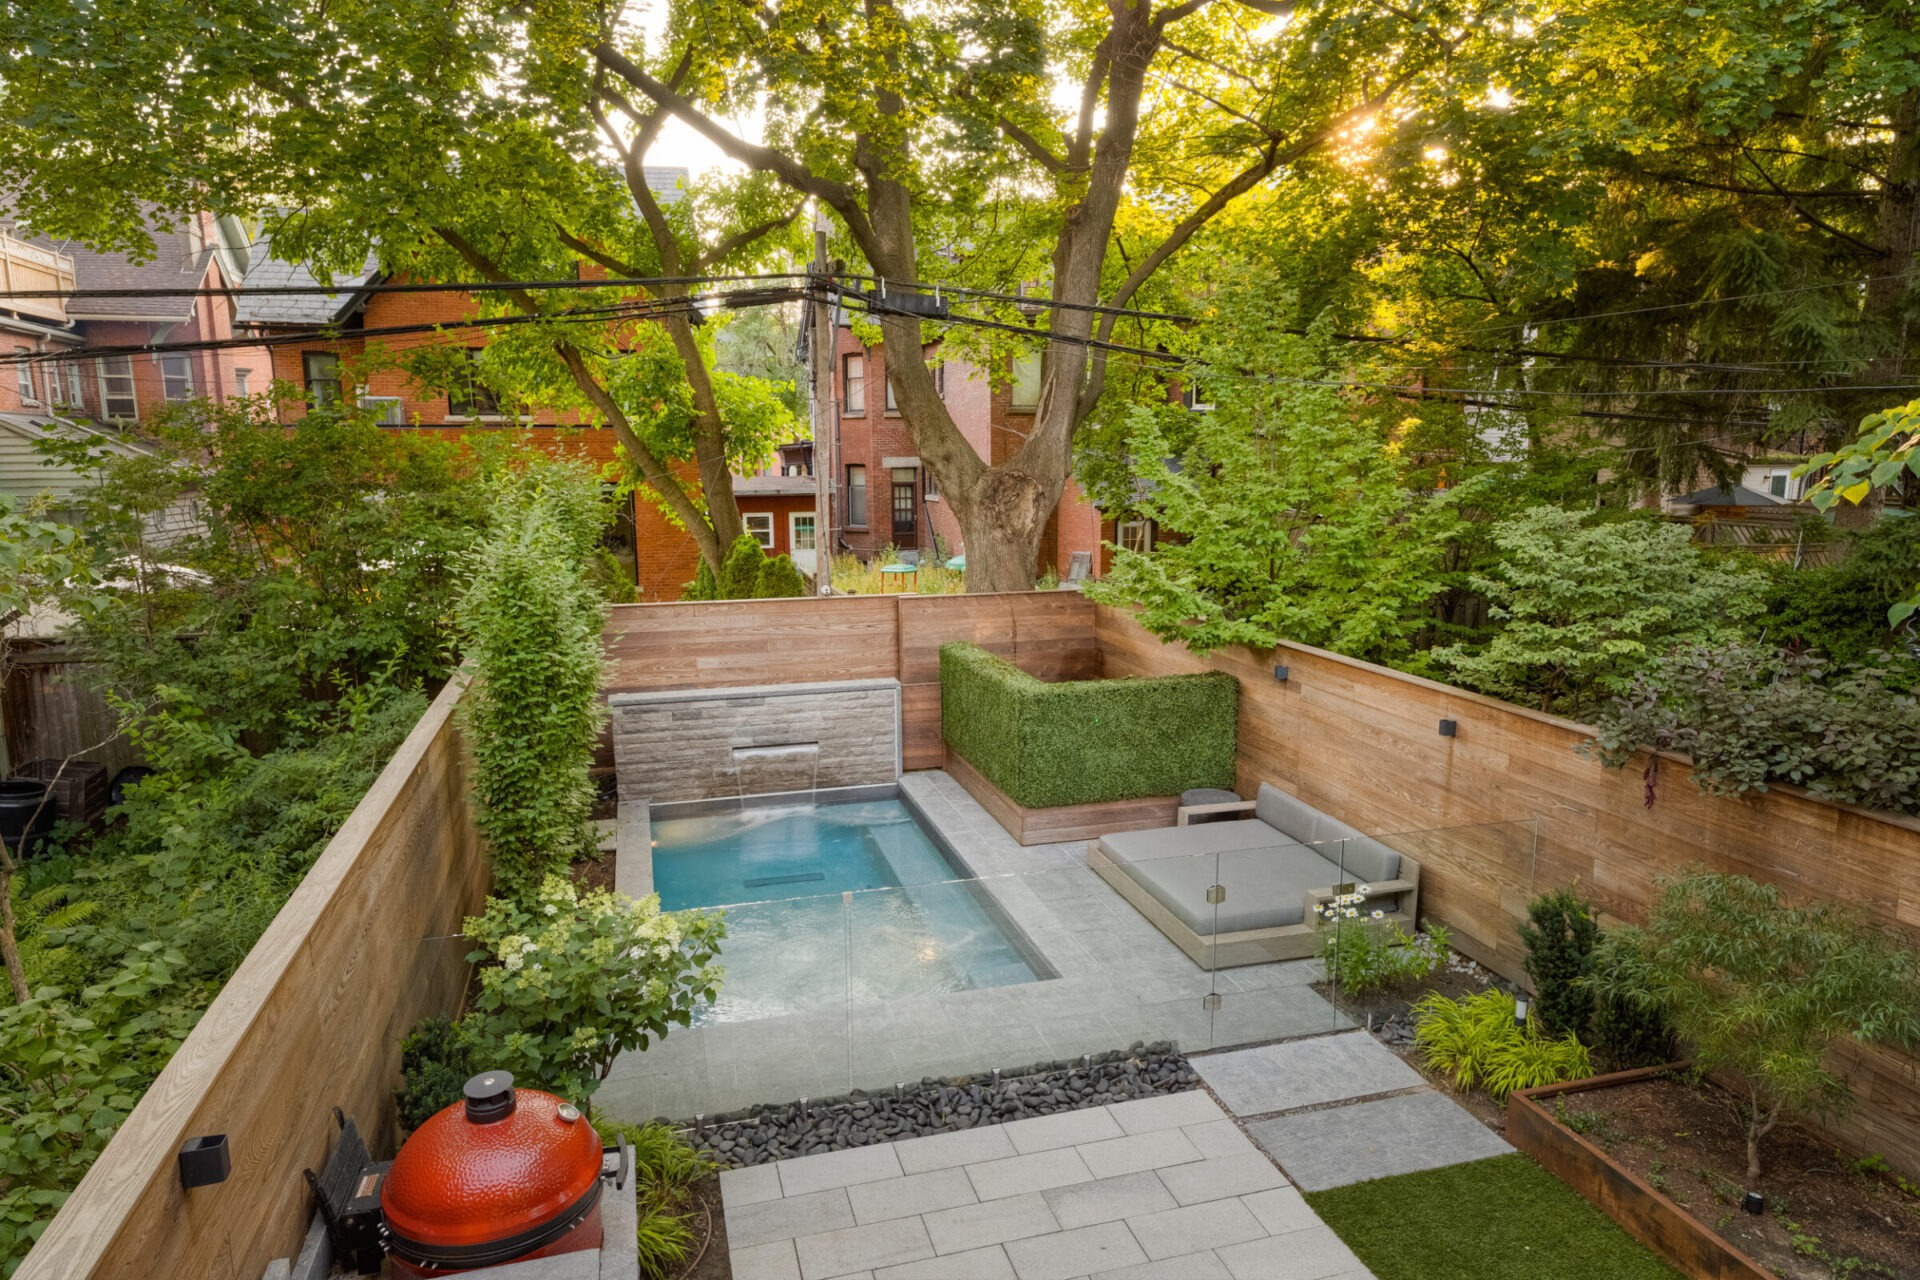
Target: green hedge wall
[{"x": 1086, "y": 741}]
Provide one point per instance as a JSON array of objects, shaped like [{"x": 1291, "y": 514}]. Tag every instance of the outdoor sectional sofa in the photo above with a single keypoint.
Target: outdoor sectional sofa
[{"x": 1275, "y": 867}]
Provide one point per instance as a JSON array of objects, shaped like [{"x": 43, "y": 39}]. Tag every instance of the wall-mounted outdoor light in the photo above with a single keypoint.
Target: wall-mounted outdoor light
[
  {"x": 205, "y": 1161},
  {"x": 1449, "y": 728},
  {"x": 1280, "y": 674}
]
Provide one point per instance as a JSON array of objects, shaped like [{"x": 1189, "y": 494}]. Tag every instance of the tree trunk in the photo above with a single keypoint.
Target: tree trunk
[{"x": 1002, "y": 520}]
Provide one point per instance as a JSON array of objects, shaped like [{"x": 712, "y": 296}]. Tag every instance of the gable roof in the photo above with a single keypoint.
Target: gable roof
[{"x": 303, "y": 309}]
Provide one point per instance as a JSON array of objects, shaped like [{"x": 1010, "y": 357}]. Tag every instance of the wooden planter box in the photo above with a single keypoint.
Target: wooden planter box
[
  {"x": 1065, "y": 822},
  {"x": 1646, "y": 1214}
]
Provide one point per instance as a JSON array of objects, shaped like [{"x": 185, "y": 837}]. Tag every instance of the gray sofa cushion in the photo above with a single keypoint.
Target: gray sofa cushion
[
  {"x": 1297, "y": 818},
  {"x": 1363, "y": 860},
  {"x": 1266, "y": 888},
  {"x": 1190, "y": 842}
]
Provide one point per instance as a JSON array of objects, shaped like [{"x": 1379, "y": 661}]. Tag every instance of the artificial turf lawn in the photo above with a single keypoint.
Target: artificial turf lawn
[{"x": 1500, "y": 1219}]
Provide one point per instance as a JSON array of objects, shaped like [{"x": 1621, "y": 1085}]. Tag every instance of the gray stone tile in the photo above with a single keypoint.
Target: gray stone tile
[
  {"x": 1281, "y": 1210},
  {"x": 1086, "y": 1204},
  {"x": 1075, "y": 1253},
  {"x": 1131, "y": 1154},
  {"x": 976, "y": 1226},
  {"x": 994, "y": 1179},
  {"x": 1168, "y": 1111},
  {"x": 1314, "y": 1253},
  {"x": 974, "y": 1264},
  {"x": 1062, "y": 1129},
  {"x": 1331, "y": 1148},
  {"x": 1218, "y": 1139},
  {"x": 785, "y": 1219},
  {"x": 837, "y": 1169},
  {"x": 776, "y": 1261},
  {"x": 1216, "y": 1179},
  {"x": 914, "y": 1194},
  {"x": 879, "y": 1244},
  {"x": 1195, "y": 1228},
  {"x": 752, "y": 1185},
  {"x": 1188, "y": 1266},
  {"x": 1304, "y": 1073},
  {"x": 946, "y": 1150}
]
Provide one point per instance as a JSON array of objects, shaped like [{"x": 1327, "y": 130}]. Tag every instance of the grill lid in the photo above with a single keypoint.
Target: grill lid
[{"x": 491, "y": 1178}]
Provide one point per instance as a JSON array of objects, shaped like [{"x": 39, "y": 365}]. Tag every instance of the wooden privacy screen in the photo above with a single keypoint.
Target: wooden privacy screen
[
  {"x": 715, "y": 644},
  {"x": 1364, "y": 743},
  {"x": 366, "y": 946}
]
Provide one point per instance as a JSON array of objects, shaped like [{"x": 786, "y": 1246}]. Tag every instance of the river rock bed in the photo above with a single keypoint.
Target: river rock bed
[{"x": 861, "y": 1118}]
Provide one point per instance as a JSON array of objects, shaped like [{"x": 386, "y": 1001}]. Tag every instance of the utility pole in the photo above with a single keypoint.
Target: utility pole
[{"x": 821, "y": 349}]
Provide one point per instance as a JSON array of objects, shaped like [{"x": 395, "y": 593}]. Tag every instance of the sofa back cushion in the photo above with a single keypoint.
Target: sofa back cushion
[
  {"x": 1298, "y": 819},
  {"x": 1363, "y": 860}
]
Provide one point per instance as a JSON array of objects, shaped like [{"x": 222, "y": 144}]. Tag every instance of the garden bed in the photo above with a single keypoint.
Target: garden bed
[{"x": 1664, "y": 1154}]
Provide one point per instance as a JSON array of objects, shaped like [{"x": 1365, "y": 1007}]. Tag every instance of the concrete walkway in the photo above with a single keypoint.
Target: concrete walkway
[{"x": 1165, "y": 1188}]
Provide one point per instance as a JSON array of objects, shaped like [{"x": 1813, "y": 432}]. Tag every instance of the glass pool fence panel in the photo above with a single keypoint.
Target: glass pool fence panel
[
  {"x": 1265, "y": 942},
  {"x": 1477, "y": 880}
]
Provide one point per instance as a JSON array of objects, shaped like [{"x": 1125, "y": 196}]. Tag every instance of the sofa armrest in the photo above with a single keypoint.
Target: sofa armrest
[
  {"x": 1186, "y": 811},
  {"x": 1315, "y": 898}
]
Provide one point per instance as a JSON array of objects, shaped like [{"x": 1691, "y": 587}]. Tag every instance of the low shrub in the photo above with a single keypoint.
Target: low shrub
[
  {"x": 436, "y": 1061},
  {"x": 1627, "y": 1033},
  {"x": 1560, "y": 934},
  {"x": 1086, "y": 741},
  {"x": 779, "y": 577},
  {"x": 1477, "y": 1042},
  {"x": 665, "y": 1167},
  {"x": 1363, "y": 952}
]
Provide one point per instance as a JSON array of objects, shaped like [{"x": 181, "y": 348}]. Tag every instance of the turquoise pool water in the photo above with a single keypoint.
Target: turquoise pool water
[{"x": 830, "y": 905}]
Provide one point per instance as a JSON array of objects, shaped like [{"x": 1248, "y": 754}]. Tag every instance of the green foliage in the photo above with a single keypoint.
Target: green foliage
[
  {"x": 532, "y": 621},
  {"x": 1759, "y": 990},
  {"x": 740, "y": 573},
  {"x": 779, "y": 578},
  {"x": 1291, "y": 518},
  {"x": 1627, "y": 1033},
  {"x": 1560, "y": 935},
  {"x": 1886, "y": 455},
  {"x": 1476, "y": 1042},
  {"x": 436, "y": 1061},
  {"x": 1750, "y": 715},
  {"x": 704, "y": 585},
  {"x": 572, "y": 980},
  {"x": 1840, "y": 610},
  {"x": 1362, "y": 955},
  {"x": 665, "y": 1168},
  {"x": 1525, "y": 1224},
  {"x": 1082, "y": 741},
  {"x": 610, "y": 578},
  {"x": 1585, "y": 605},
  {"x": 74, "y": 1064}
]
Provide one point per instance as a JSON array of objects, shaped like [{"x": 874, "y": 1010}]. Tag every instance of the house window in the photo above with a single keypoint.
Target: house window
[
  {"x": 176, "y": 377},
  {"x": 116, "y": 388},
  {"x": 893, "y": 406},
  {"x": 1026, "y": 381},
  {"x": 857, "y": 497},
  {"x": 905, "y": 522},
  {"x": 472, "y": 400},
  {"x": 240, "y": 377},
  {"x": 1135, "y": 535},
  {"x": 801, "y": 527},
  {"x": 23, "y": 374},
  {"x": 1197, "y": 398},
  {"x": 386, "y": 410},
  {"x": 1777, "y": 484},
  {"x": 321, "y": 370},
  {"x": 75, "y": 392},
  {"x": 929, "y": 487},
  {"x": 760, "y": 525},
  {"x": 855, "y": 399}
]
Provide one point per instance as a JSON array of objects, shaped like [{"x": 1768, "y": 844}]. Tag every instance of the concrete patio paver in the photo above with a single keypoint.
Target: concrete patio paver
[
  {"x": 1341, "y": 1145},
  {"x": 1042, "y": 1214},
  {"x": 1304, "y": 1073}
]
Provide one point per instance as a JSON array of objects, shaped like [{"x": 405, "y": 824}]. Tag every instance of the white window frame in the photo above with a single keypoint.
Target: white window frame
[
  {"x": 1037, "y": 361},
  {"x": 865, "y": 495},
  {"x": 240, "y": 377},
  {"x": 391, "y": 412},
  {"x": 1191, "y": 397},
  {"x": 124, "y": 370},
  {"x": 23, "y": 376},
  {"x": 929, "y": 487},
  {"x": 311, "y": 384},
  {"x": 176, "y": 369},
  {"x": 794, "y": 519},
  {"x": 1134, "y": 535},
  {"x": 76, "y": 385},
  {"x": 760, "y": 525}
]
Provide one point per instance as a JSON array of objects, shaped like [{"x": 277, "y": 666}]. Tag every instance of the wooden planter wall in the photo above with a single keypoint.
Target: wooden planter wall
[{"x": 1644, "y": 1213}]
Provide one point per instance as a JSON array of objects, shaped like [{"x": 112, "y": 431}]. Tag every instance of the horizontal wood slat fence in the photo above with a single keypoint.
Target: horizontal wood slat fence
[{"x": 365, "y": 947}]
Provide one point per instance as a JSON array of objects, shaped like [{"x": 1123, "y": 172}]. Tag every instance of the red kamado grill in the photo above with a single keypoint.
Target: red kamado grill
[{"x": 506, "y": 1176}]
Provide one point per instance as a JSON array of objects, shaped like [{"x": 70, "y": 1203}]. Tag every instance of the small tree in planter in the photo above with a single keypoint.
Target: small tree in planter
[{"x": 1759, "y": 990}]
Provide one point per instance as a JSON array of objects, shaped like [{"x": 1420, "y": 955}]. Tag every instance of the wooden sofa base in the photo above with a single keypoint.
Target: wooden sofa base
[
  {"x": 1065, "y": 822},
  {"x": 1224, "y": 950}
]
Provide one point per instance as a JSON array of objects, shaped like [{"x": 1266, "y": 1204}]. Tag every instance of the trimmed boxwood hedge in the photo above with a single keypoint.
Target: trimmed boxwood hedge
[{"x": 1086, "y": 741}]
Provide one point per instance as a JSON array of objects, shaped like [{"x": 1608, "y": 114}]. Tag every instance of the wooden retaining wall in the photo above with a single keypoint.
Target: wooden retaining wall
[
  {"x": 1363, "y": 742},
  {"x": 366, "y": 946},
  {"x": 710, "y": 645}
]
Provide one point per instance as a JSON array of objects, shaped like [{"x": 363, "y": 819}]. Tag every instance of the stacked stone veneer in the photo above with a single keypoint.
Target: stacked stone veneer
[{"x": 701, "y": 744}]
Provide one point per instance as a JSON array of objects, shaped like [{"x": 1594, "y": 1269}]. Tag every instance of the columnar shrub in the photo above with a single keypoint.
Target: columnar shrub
[
  {"x": 532, "y": 622},
  {"x": 1560, "y": 934},
  {"x": 740, "y": 572},
  {"x": 779, "y": 578}
]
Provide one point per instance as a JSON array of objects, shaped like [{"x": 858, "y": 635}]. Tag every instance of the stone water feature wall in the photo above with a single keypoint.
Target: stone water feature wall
[{"x": 702, "y": 744}]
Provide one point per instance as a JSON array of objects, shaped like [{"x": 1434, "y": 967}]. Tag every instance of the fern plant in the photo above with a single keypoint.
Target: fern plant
[{"x": 1477, "y": 1042}]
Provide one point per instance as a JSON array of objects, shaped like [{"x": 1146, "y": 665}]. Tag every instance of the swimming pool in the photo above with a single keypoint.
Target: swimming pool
[{"x": 835, "y": 904}]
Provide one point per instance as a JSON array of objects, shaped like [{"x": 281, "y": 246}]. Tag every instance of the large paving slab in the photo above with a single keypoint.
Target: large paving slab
[
  {"x": 1367, "y": 1140},
  {"x": 1304, "y": 1073},
  {"x": 1164, "y": 1188}
]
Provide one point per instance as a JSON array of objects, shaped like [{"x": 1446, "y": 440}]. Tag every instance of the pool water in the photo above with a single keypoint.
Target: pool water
[{"x": 833, "y": 904}]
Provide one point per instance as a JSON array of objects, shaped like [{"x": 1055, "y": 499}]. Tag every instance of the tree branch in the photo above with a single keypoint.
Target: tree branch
[
  {"x": 1033, "y": 146},
  {"x": 594, "y": 253},
  {"x": 1871, "y": 250},
  {"x": 744, "y": 237}
]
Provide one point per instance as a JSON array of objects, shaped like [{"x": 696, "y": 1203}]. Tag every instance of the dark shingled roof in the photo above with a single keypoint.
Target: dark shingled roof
[{"x": 302, "y": 309}]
